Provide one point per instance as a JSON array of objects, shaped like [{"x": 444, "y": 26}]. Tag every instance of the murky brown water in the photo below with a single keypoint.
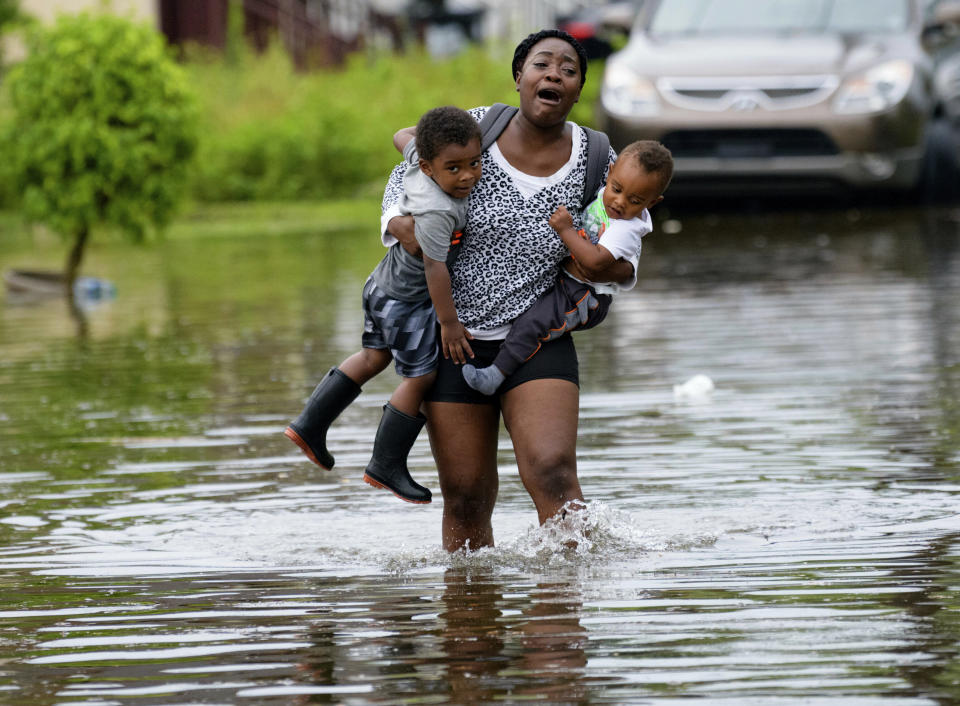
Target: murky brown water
[{"x": 793, "y": 538}]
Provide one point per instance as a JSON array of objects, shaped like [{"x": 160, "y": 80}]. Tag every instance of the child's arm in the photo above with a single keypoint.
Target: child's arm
[
  {"x": 453, "y": 334},
  {"x": 596, "y": 262},
  {"x": 593, "y": 260},
  {"x": 402, "y": 137}
]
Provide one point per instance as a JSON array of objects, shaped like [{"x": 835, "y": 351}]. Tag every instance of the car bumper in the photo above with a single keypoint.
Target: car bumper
[
  {"x": 862, "y": 152},
  {"x": 896, "y": 170}
]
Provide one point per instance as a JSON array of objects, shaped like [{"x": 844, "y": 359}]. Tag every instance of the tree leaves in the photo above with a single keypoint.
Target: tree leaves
[{"x": 104, "y": 126}]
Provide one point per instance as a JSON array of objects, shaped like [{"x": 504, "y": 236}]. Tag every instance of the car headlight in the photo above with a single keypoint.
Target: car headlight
[
  {"x": 627, "y": 94},
  {"x": 876, "y": 89}
]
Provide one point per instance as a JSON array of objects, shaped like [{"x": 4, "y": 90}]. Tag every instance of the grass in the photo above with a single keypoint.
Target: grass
[
  {"x": 258, "y": 218},
  {"x": 286, "y": 151}
]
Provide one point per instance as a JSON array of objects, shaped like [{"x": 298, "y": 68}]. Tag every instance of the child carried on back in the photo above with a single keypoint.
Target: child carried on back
[{"x": 403, "y": 300}]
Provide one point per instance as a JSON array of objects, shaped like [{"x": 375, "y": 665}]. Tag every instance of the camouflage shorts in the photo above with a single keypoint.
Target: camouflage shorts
[{"x": 408, "y": 329}]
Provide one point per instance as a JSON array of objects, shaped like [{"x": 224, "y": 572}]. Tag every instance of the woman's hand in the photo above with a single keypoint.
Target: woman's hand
[
  {"x": 454, "y": 337},
  {"x": 618, "y": 271},
  {"x": 401, "y": 228}
]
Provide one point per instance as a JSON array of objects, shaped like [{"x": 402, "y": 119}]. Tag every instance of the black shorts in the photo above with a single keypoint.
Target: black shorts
[{"x": 555, "y": 360}]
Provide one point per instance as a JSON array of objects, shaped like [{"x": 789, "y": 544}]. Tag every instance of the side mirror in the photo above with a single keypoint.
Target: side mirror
[
  {"x": 947, "y": 13},
  {"x": 944, "y": 23}
]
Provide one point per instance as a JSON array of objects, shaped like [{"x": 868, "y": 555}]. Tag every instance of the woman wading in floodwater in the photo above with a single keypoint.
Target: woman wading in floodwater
[{"x": 509, "y": 256}]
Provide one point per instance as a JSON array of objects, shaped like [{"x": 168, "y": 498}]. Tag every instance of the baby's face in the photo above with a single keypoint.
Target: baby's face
[
  {"x": 630, "y": 189},
  {"x": 455, "y": 169}
]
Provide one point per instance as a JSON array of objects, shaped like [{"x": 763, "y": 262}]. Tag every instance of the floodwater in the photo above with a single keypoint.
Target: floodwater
[{"x": 791, "y": 538}]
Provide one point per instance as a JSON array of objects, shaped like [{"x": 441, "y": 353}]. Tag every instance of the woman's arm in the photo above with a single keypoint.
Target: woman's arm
[
  {"x": 401, "y": 228},
  {"x": 618, "y": 271},
  {"x": 453, "y": 335},
  {"x": 402, "y": 137}
]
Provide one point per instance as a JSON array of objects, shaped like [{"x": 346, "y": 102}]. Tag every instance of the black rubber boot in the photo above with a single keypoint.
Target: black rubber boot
[
  {"x": 388, "y": 467},
  {"x": 309, "y": 431}
]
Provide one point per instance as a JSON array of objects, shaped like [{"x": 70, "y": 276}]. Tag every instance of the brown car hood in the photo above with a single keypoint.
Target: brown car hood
[{"x": 758, "y": 55}]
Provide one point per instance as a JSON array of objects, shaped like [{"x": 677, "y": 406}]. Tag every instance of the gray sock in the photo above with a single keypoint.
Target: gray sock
[{"x": 485, "y": 380}]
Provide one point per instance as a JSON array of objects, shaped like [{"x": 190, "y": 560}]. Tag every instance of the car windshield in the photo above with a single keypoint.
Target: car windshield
[{"x": 699, "y": 17}]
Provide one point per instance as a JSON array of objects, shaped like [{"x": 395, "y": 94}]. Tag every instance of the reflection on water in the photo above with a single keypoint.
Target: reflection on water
[{"x": 793, "y": 538}]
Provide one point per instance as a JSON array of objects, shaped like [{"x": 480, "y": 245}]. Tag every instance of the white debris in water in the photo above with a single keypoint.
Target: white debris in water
[
  {"x": 699, "y": 388},
  {"x": 671, "y": 226}
]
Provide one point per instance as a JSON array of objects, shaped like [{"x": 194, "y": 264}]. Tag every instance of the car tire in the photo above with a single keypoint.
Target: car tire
[{"x": 940, "y": 176}]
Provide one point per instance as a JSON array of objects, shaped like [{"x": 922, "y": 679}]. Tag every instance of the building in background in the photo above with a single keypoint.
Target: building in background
[
  {"x": 47, "y": 10},
  {"x": 316, "y": 32},
  {"x": 322, "y": 32}
]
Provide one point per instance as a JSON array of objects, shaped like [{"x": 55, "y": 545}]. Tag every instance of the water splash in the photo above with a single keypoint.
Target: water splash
[{"x": 583, "y": 535}]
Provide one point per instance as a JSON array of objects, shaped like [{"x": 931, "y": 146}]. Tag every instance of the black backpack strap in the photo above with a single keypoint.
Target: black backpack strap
[
  {"x": 493, "y": 122},
  {"x": 598, "y": 155}
]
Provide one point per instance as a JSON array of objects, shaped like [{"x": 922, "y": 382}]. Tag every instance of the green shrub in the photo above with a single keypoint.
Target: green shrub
[
  {"x": 269, "y": 132},
  {"x": 102, "y": 130},
  {"x": 272, "y": 133}
]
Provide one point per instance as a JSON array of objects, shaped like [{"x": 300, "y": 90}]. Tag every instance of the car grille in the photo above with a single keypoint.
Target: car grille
[
  {"x": 747, "y": 93},
  {"x": 749, "y": 144}
]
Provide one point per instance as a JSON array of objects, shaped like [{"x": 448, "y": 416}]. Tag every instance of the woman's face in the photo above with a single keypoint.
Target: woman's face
[{"x": 549, "y": 82}]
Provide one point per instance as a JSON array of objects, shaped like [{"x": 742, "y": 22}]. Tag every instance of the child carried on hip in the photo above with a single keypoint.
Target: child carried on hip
[{"x": 613, "y": 225}]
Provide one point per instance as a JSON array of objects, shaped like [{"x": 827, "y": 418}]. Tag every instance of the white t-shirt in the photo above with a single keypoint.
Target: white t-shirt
[
  {"x": 529, "y": 185},
  {"x": 622, "y": 238}
]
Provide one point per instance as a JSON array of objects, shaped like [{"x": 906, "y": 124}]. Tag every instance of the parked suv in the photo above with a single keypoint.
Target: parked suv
[{"x": 779, "y": 93}]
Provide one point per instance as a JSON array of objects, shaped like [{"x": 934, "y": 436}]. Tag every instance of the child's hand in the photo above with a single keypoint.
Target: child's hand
[
  {"x": 561, "y": 219},
  {"x": 454, "y": 338}
]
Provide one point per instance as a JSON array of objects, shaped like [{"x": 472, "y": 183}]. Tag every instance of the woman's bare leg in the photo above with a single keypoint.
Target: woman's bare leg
[
  {"x": 541, "y": 416},
  {"x": 464, "y": 442}
]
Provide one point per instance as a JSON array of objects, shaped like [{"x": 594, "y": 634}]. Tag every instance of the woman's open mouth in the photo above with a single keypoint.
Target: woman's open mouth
[{"x": 549, "y": 95}]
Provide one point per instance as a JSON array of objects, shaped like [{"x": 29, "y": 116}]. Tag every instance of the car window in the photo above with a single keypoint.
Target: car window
[
  {"x": 868, "y": 16},
  {"x": 692, "y": 17}
]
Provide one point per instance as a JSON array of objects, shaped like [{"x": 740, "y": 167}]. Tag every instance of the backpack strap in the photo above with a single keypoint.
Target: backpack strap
[
  {"x": 494, "y": 122},
  {"x": 598, "y": 155},
  {"x": 497, "y": 117}
]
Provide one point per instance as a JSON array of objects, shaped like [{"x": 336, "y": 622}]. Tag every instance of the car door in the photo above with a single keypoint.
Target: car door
[{"x": 942, "y": 41}]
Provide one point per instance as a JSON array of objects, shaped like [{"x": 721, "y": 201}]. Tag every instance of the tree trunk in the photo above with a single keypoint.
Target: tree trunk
[
  {"x": 74, "y": 259},
  {"x": 70, "y": 277}
]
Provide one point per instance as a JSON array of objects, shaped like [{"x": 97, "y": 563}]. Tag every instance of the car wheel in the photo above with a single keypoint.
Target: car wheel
[{"x": 940, "y": 179}]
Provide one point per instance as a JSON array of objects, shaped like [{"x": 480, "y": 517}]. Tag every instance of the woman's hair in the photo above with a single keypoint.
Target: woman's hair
[
  {"x": 446, "y": 125},
  {"x": 524, "y": 47},
  {"x": 653, "y": 157}
]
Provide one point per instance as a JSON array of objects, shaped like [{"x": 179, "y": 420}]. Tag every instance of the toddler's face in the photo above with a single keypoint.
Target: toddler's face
[
  {"x": 455, "y": 169},
  {"x": 630, "y": 189}
]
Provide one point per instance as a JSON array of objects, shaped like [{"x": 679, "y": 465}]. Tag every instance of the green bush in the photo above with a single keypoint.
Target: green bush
[
  {"x": 272, "y": 133},
  {"x": 269, "y": 132},
  {"x": 102, "y": 127}
]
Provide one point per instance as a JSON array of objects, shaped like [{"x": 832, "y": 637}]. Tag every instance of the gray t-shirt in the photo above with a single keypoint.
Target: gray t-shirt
[{"x": 437, "y": 215}]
